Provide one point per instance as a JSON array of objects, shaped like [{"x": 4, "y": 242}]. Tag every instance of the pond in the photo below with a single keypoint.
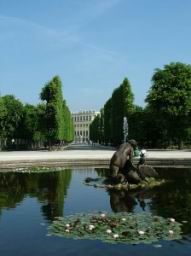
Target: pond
[{"x": 29, "y": 202}]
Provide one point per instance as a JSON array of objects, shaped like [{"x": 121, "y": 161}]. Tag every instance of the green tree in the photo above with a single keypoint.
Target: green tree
[
  {"x": 68, "y": 123},
  {"x": 95, "y": 129},
  {"x": 107, "y": 121},
  {"x": 10, "y": 117},
  {"x": 52, "y": 94},
  {"x": 136, "y": 121},
  {"x": 170, "y": 99},
  {"x": 3, "y": 115},
  {"x": 32, "y": 125},
  {"x": 122, "y": 106}
]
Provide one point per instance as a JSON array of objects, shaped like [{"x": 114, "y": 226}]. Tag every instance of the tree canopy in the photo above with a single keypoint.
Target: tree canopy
[{"x": 170, "y": 98}]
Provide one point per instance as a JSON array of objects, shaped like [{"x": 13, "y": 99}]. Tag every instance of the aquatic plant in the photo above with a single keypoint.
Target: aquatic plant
[
  {"x": 35, "y": 169},
  {"x": 125, "y": 228},
  {"x": 147, "y": 183}
]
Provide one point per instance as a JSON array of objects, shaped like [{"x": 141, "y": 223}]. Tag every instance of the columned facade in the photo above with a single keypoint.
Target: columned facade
[{"x": 82, "y": 121}]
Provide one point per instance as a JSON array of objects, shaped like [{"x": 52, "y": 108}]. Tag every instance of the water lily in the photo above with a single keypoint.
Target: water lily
[
  {"x": 141, "y": 232},
  {"x": 172, "y": 220},
  {"x": 115, "y": 229},
  {"x": 91, "y": 227},
  {"x": 103, "y": 215}
]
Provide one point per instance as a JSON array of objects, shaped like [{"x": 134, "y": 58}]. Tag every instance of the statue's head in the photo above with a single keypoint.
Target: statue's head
[{"x": 133, "y": 143}]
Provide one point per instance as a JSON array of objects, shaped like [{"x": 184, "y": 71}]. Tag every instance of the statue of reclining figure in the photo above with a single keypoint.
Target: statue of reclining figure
[
  {"x": 121, "y": 162},
  {"x": 122, "y": 168}
]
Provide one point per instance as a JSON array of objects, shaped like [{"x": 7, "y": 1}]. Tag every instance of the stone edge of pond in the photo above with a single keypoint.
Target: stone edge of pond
[{"x": 101, "y": 163}]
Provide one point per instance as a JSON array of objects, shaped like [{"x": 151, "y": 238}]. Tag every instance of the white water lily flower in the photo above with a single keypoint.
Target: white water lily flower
[
  {"x": 171, "y": 232},
  {"x": 103, "y": 215},
  {"x": 67, "y": 225},
  {"x": 172, "y": 219},
  {"x": 123, "y": 219},
  {"x": 141, "y": 232},
  {"x": 91, "y": 227},
  {"x": 115, "y": 236},
  {"x": 67, "y": 230},
  {"x": 108, "y": 231}
]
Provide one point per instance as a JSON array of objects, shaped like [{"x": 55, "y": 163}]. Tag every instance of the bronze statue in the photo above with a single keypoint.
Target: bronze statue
[
  {"x": 122, "y": 158},
  {"x": 122, "y": 169}
]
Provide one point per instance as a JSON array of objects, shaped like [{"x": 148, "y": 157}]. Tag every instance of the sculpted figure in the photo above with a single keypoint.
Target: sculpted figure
[
  {"x": 122, "y": 168},
  {"x": 145, "y": 170},
  {"x": 121, "y": 160}
]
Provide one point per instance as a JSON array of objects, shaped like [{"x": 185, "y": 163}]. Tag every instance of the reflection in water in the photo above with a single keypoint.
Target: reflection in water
[
  {"x": 125, "y": 201},
  {"x": 172, "y": 199},
  {"x": 49, "y": 188},
  {"x": 122, "y": 201}
]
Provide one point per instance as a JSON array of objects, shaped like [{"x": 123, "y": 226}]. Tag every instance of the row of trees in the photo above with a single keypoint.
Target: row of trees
[
  {"x": 50, "y": 122},
  {"x": 165, "y": 121}
]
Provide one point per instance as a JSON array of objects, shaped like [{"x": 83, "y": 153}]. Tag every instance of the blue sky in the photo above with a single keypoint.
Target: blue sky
[{"x": 91, "y": 44}]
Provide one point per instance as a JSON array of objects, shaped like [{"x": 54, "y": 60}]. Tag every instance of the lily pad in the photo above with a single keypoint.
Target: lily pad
[
  {"x": 125, "y": 228},
  {"x": 37, "y": 169}
]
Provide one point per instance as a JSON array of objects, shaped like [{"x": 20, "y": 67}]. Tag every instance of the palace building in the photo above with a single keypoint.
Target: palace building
[{"x": 82, "y": 121}]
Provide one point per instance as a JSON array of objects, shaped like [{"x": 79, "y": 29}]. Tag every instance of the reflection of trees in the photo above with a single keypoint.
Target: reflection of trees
[
  {"x": 171, "y": 199},
  {"x": 49, "y": 188},
  {"x": 174, "y": 199}
]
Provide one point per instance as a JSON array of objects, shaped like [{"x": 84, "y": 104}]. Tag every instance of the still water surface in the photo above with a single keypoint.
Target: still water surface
[{"x": 29, "y": 203}]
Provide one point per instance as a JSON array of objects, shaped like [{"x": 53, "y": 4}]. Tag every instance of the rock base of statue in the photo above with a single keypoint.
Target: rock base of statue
[{"x": 108, "y": 184}]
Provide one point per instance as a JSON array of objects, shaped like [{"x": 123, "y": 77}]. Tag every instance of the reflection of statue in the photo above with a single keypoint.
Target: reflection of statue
[
  {"x": 121, "y": 201},
  {"x": 125, "y": 201}
]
